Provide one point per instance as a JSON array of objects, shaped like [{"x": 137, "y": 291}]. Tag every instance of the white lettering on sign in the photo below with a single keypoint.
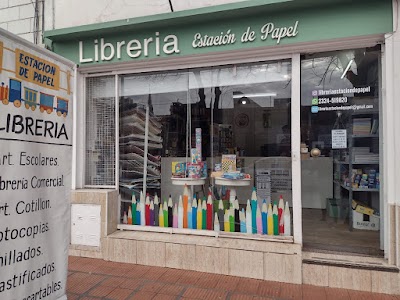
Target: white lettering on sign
[
  {"x": 105, "y": 51},
  {"x": 278, "y": 33},
  {"x": 205, "y": 40}
]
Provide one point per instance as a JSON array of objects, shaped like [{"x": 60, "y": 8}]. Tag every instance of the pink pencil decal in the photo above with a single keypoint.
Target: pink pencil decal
[
  {"x": 175, "y": 217},
  {"x": 147, "y": 208}
]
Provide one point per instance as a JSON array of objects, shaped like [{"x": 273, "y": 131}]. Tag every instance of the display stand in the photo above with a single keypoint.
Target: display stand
[
  {"x": 188, "y": 181},
  {"x": 232, "y": 183}
]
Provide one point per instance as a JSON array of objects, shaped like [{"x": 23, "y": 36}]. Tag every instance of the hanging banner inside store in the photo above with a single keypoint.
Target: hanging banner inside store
[{"x": 35, "y": 171}]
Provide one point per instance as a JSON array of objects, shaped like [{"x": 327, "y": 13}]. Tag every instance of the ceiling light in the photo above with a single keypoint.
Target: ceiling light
[{"x": 238, "y": 96}]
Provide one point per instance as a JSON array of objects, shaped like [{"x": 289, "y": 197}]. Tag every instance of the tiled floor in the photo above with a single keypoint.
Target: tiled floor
[{"x": 91, "y": 279}]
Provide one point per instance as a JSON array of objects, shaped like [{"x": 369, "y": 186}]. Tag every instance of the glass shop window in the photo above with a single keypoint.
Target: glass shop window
[
  {"x": 100, "y": 131},
  {"x": 340, "y": 134},
  {"x": 208, "y": 149}
]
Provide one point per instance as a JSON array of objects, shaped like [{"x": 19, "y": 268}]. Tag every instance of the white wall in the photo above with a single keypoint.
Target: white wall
[
  {"x": 17, "y": 16},
  {"x": 81, "y": 12}
]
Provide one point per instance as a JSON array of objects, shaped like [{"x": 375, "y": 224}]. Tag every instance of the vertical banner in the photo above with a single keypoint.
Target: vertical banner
[{"x": 35, "y": 171}]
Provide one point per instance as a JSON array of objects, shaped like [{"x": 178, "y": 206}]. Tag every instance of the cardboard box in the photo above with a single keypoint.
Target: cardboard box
[
  {"x": 362, "y": 208},
  {"x": 365, "y": 222}
]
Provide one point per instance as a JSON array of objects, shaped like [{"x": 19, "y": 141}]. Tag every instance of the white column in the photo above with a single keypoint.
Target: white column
[{"x": 296, "y": 162}]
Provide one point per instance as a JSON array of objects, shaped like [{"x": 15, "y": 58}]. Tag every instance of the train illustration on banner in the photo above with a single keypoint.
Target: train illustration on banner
[{"x": 32, "y": 99}]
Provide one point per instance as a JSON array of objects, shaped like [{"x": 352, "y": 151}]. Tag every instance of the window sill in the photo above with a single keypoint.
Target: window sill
[{"x": 207, "y": 233}]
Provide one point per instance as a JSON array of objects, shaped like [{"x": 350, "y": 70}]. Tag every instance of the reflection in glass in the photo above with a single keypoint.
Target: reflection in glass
[
  {"x": 340, "y": 123},
  {"x": 182, "y": 124}
]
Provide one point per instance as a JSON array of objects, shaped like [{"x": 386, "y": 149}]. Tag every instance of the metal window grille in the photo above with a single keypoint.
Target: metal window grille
[{"x": 100, "y": 131}]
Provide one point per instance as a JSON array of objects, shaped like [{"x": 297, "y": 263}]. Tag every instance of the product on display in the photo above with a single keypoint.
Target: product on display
[
  {"x": 134, "y": 209},
  {"x": 242, "y": 219},
  {"x": 231, "y": 219},
  {"x": 125, "y": 219},
  {"x": 228, "y": 163}
]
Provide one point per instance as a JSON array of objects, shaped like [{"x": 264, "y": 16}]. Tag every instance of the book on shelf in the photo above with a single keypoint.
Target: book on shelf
[
  {"x": 375, "y": 126},
  {"x": 361, "y": 126}
]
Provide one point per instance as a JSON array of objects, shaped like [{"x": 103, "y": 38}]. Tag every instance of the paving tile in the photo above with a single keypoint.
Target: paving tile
[
  {"x": 335, "y": 294},
  {"x": 203, "y": 294},
  {"x": 152, "y": 286},
  {"x": 88, "y": 298},
  {"x": 113, "y": 281},
  {"x": 269, "y": 289},
  {"x": 313, "y": 292},
  {"x": 71, "y": 296},
  {"x": 263, "y": 298},
  {"x": 79, "y": 288},
  {"x": 171, "y": 275},
  {"x": 101, "y": 291},
  {"x": 154, "y": 273},
  {"x": 237, "y": 296},
  {"x": 248, "y": 286},
  {"x": 291, "y": 291},
  {"x": 143, "y": 295},
  {"x": 359, "y": 295},
  {"x": 171, "y": 289},
  {"x": 207, "y": 281},
  {"x": 119, "y": 294},
  {"x": 228, "y": 283},
  {"x": 131, "y": 284},
  {"x": 189, "y": 277},
  {"x": 164, "y": 297}
]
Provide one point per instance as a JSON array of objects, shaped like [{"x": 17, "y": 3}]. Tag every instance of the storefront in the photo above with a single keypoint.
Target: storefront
[{"x": 238, "y": 139}]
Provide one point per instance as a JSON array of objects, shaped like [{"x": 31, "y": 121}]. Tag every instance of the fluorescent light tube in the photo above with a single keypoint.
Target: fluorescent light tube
[
  {"x": 347, "y": 68},
  {"x": 238, "y": 96}
]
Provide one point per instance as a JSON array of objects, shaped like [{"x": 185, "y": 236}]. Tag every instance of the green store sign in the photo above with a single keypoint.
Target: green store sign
[{"x": 222, "y": 28}]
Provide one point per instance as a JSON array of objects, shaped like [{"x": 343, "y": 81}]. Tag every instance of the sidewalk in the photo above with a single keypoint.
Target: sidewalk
[{"x": 91, "y": 279}]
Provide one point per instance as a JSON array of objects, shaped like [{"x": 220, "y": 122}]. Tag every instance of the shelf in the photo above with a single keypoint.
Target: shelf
[
  {"x": 355, "y": 136},
  {"x": 359, "y": 189},
  {"x": 232, "y": 182},
  {"x": 355, "y": 163}
]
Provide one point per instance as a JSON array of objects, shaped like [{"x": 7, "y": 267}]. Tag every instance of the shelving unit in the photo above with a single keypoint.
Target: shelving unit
[
  {"x": 140, "y": 144},
  {"x": 358, "y": 164}
]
